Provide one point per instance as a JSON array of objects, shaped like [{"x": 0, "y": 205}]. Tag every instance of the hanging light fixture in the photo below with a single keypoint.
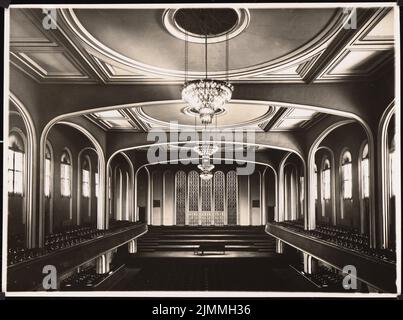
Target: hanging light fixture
[
  {"x": 206, "y": 149},
  {"x": 206, "y": 168},
  {"x": 205, "y": 164},
  {"x": 206, "y": 96},
  {"x": 206, "y": 175}
]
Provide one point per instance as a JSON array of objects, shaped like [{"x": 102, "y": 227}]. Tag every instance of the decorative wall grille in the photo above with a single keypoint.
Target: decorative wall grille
[
  {"x": 180, "y": 178},
  {"x": 232, "y": 197},
  {"x": 193, "y": 180}
]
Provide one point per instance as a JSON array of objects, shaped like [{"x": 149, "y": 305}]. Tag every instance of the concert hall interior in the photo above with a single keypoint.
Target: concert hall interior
[{"x": 112, "y": 182}]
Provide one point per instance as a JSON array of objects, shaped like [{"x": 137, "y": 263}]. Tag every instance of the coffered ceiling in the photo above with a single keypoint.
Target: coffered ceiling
[
  {"x": 171, "y": 116},
  {"x": 146, "y": 46},
  {"x": 137, "y": 46}
]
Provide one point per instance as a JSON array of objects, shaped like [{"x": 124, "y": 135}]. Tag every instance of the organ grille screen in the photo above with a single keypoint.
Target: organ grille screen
[
  {"x": 193, "y": 186},
  {"x": 180, "y": 192},
  {"x": 219, "y": 193},
  {"x": 205, "y": 202},
  {"x": 206, "y": 191},
  {"x": 232, "y": 193}
]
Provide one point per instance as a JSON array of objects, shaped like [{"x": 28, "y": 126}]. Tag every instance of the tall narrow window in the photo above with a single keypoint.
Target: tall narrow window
[
  {"x": 110, "y": 191},
  {"x": 120, "y": 196},
  {"x": 301, "y": 188},
  {"x": 48, "y": 174},
  {"x": 85, "y": 179},
  {"x": 127, "y": 196},
  {"x": 347, "y": 176},
  {"x": 315, "y": 182},
  {"x": 392, "y": 167},
  {"x": 15, "y": 164},
  {"x": 365, "y": 172},
  {"x": 65, "y": 175},
  {"x": 96, "y": 184},
  {"x": 326, "y": 180}
]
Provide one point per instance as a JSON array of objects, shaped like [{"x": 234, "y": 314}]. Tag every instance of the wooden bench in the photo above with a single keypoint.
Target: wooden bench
[{"x": 209, "y": 247}]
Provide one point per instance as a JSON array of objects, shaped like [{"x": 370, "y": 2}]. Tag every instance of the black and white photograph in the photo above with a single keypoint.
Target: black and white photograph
[{"x": 202, "y": 150}]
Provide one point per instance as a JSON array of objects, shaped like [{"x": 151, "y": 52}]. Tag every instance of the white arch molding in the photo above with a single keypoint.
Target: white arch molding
[
  {"x": 168, "y": 161},
  {"x": 308, "y": 170},
  {"x": 79, "y": 184},
  {"x": 31, "y": 159},
  {"x": 383, "y": 167},
  {"x": 132, "y": 211},
  {"x": 148, "y": 193},
  {"x": 21, "y": 135},
  {"x": 51, "y": 187},
  {"x": 65, "y": 149},
  {"x": 360, "y": 186},
  {"x": 144, "y": 104},
  {"x": 281, "y": 207},
  {"x": 311, "y": 161},
  {"x": 333, "y": 180},
  {"x": 101, "y": 201},
  {"x": 286, "y": 191}
]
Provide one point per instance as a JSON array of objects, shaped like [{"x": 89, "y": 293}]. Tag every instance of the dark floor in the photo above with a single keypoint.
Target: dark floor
[
  {"x": 177, "y": 274},
  {"x": 165, "y": 261}
]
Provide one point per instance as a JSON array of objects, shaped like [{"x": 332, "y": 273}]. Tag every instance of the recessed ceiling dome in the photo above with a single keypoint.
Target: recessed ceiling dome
[{"x": 202, "y": 22}]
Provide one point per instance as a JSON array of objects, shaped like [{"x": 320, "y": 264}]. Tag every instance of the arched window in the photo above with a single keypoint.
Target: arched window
[
  {"x": 16, "y": 154},
  {"x": 109, "y": 190},
  {"x": 315, "y": 181},
  {"x": 347, "y": 175},
  {"x": 392, "y": 167},
  {"x": 365, "y": 172},
  {"x": 119, "y": 195},
  {"x": 96, "y": 184},
  {"x": 96, "y": 181},
  {"x": 301, "y": 188},
  {"x": 65, "y": 175},
  {"x": 85, "y": 178},
  {"x": 326, "y": 180},
  {"x": 48, "y": 171},
  {"x": 127, "y": 196}
]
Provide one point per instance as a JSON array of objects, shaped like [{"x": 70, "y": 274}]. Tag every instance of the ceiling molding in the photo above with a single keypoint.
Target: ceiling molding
[
  {"x": 269, "y": 124},
  {"x": 106, "y": 54},
  {"x": 109, "y": 122},
  {"x": 298, "y": 122},
  {"x": 73, "y": 55},
  {"x": 57, "y": 42},
  {"x": 347, "y": 41}
]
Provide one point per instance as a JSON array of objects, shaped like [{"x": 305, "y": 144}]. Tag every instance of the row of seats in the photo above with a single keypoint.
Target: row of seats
[
  {"x": 348, "y": 238},
  {"x": 86, "y": 278},
  {"x": 187, "y": 238},
  {"x": 327, "y": 278},
  {"x": 61, "y": 239}
]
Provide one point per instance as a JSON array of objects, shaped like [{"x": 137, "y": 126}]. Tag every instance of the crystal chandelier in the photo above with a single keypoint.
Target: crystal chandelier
[
  {"x": 206, "y": 149},
  {"x": 206, "y": 168},
  {"x": 206, "y": 175},
  {"x": 206, "y": 165},
  {"x": 206, "y": 96}
]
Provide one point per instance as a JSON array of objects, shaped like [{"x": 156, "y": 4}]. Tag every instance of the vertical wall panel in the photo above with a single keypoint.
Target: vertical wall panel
[
  {"x": 244, "y": 203},
  {"x": 168, "y": 204},
  {"x": 180, "y": 197},
  {"x": 219, "y": 195},
  {"x": 157, "y": 198},
  {"x": 232, "y": 197},
  {"x": 255, "y": 201}
]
